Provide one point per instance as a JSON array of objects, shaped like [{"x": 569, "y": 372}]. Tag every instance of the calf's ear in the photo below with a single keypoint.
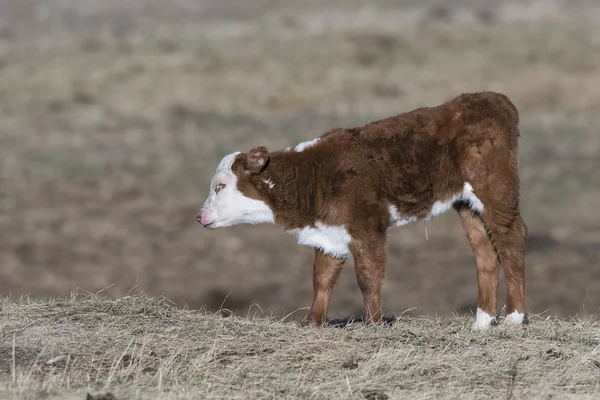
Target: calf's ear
[{"x": 256, "y": 159}]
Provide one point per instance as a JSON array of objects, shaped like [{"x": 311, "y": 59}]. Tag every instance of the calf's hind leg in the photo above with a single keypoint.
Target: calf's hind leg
[
  {"x": 486, "y": 261},
  {"x": 325, "y": 274},
  {"x": 369, "y": 263},
  {"x": 510, "y": 243}
]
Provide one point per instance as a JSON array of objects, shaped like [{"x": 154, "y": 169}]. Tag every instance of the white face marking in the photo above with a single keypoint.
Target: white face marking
[
  {"x": 227, "y": 161},
  {"x": 483, "y": 320},
  {"x": 467, "y": 195},
  {"x": 332, "y": 240},
  {"x": 304, "y": 145},
  {"x": 229, "y": 206},
  {"x": 396, "y": 219},
  {"x": 514, "y": 318}
]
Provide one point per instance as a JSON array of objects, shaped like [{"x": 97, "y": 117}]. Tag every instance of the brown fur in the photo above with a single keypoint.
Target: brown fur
[{"x": 411, "y": 161}]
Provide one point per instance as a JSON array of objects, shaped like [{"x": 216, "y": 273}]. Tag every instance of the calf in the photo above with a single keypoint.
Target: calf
[{"x": 341, "y": 192}]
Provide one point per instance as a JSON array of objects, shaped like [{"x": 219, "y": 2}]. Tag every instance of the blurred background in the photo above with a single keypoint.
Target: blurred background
[{"x": 115, "y": 113}]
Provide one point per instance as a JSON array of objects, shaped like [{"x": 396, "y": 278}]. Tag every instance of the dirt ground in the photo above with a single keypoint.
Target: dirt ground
[{"x": 114, "y": 115}]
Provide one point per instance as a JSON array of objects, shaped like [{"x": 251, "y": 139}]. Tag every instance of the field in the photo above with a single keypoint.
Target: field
[
  {"x": 114, "y": 115},
  {"x": 137, "y": 347}
]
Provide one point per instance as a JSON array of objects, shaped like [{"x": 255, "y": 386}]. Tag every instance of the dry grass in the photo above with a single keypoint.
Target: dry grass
[{"x": 139, "y": 347}]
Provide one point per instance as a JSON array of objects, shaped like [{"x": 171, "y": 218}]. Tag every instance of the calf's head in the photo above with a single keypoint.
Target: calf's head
[{"x": 234, "y": 198}]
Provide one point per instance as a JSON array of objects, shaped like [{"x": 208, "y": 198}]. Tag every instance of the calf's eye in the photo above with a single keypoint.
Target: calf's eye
[{"x": 219, "y": 187}]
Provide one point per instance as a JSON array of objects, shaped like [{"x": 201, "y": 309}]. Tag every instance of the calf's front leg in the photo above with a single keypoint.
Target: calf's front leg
[
  {"x": 369, "y": 262},
  {"x": 325, "y": 274}
]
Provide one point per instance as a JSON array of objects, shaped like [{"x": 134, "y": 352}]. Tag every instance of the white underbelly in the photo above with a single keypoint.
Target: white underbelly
[{"x": 439, "y": 207}]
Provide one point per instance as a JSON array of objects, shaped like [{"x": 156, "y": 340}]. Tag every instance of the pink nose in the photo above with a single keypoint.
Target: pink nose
[{"x": 204, "y": 218}]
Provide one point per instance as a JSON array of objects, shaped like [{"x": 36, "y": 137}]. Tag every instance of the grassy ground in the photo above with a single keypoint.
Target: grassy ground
[
  {"x": 113, "y": 116},
  {"x": 138, "y": 347}
]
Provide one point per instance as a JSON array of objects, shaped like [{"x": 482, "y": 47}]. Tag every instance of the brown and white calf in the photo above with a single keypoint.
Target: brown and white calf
[{"x": 341, "y": 192}]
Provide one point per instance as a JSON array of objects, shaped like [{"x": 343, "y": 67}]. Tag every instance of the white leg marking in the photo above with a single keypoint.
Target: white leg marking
[
  {"x": 483, "y": 320},
  {"x": 332, "y": 240},
  {"x": 304, "y": 145},
  {"x": 514, "y": 318}
]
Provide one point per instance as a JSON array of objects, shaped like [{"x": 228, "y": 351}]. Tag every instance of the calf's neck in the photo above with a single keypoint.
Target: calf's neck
[{"x": 341, "y": 192}]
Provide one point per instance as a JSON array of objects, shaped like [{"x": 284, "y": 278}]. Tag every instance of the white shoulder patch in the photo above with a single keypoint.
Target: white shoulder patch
[
  {"x": 304, "y": 145},
  {"x": 332, "y": 240}
]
